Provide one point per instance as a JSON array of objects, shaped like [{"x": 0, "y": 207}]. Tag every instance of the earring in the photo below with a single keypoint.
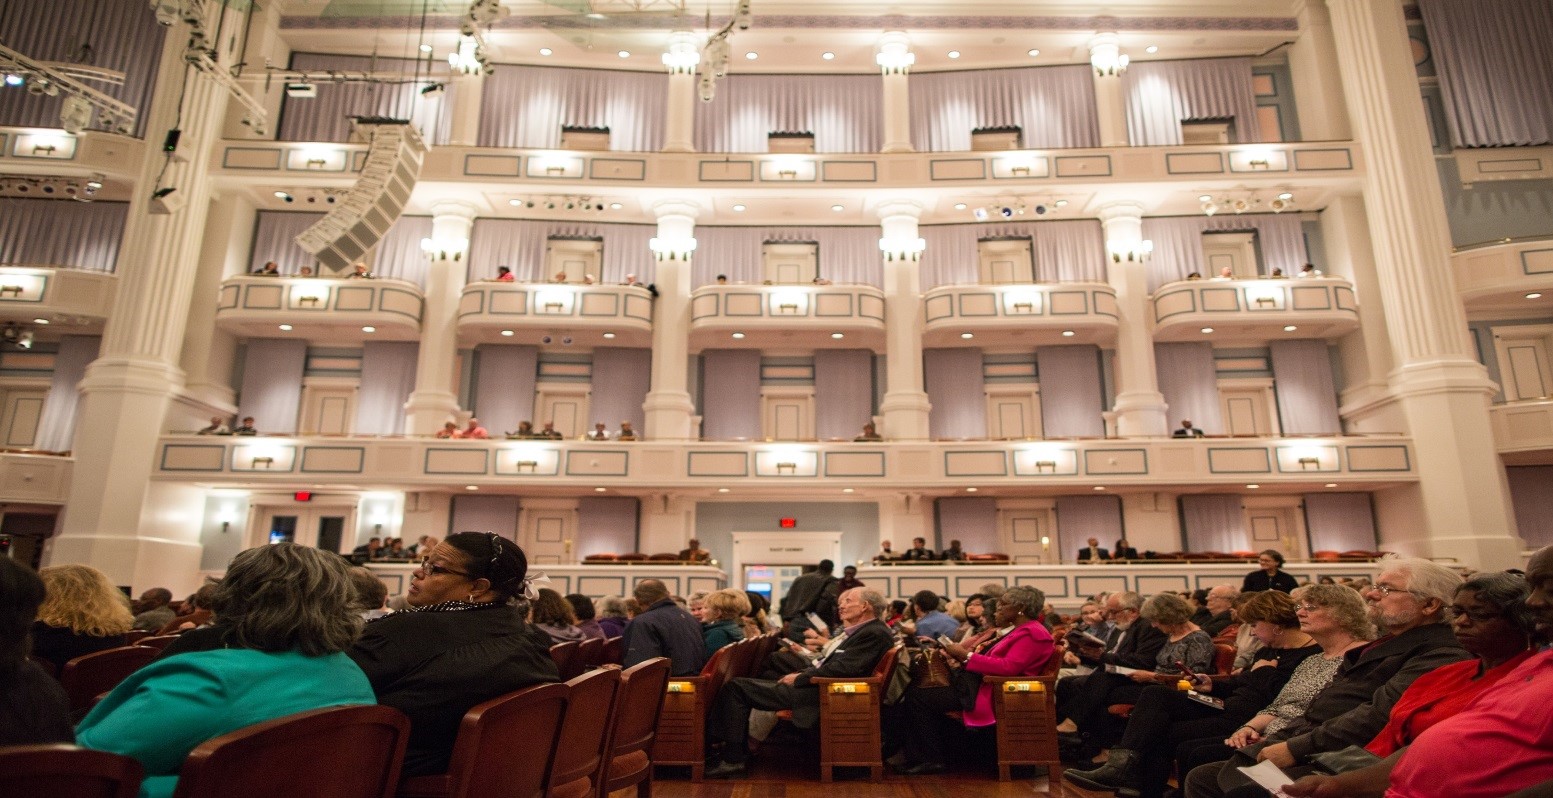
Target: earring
[{"x": 471, "y": 598}]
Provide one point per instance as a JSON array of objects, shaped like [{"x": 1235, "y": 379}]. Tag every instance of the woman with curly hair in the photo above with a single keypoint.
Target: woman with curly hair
[
  {"x": 554, "y": 616},
  {"x": 82, "y": 613}
]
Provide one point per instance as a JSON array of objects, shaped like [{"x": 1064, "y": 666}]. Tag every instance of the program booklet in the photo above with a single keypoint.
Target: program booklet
[
  {"x": 1121, "y": 669},
  {"x": 1205, "y": 699}
]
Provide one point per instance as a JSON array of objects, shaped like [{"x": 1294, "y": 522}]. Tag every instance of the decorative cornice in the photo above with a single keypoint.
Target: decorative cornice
[{"x": 668, "y": 22}]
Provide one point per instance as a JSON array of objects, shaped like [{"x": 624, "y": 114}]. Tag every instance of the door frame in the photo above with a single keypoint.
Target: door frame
[
  {"x": 784, "y": 548},
  {"x": 308, "y": 513}
]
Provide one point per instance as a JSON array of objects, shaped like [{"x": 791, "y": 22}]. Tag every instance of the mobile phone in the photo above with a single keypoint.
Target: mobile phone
[
  {"x": 1185, "y": 671},
  {"x": 945, "y": 640}
]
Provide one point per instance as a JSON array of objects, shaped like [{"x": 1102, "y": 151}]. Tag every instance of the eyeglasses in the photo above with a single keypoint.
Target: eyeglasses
[
  {"x": 432, "y": 569},
  {"x": 1308, "y": 607},
  {"x": 1386, "y": 590},
  {"x": 1477, "y": 616}
]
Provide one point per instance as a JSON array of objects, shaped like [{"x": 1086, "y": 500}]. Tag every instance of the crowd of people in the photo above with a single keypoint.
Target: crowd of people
[{"x": 1348, "y": 690}]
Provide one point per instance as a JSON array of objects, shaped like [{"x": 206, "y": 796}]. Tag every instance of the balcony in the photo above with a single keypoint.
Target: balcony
[
  {"x": 1254, "y": 312},
  {"x": 1523, "y": 431},
  {"x": 803, "y": 317},
  {"x": 1019, "y": 315},
  {"x": 320, "y": 310},
  {"x": 585, "y": 315},
  {"x": 81, "y": 298},
  {"x": 51, "y": 151},
  {"x": 1501, "y": 279},
  {"x": 34, "y": 477}
]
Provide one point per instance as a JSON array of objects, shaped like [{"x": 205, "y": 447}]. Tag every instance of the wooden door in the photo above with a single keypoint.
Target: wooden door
[
  {"x": 21, "y": 409},
  {"x": 1524, "y": 368}
]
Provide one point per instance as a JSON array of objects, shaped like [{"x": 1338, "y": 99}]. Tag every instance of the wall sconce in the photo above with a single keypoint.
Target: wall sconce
[
  {"x": 787, "y": 173},
  {"x": 1024, "y": 307},
  {"x": 265, "y": 460},
  {"x": 1257, "y": 163},
  {"x": 787, "y": 468},
  {"x": 316, "y": 163},
  {"x": 902, "y": 248},
  {"x": 789, "y": 307},
  {"x": 672, "y": 247},
  {"x": 309, "y": 300},
  {"x": 1309, "y": 462},
  {"x": 227, "y": 514},
  {"x": 43, "y": 149},
  {"x": 1132, "y": 252},
  {"x": 1042, "y": 466},
  {"x": 445, "y": 249},
  {"x": 12, "y": 290},
  {"x": 531, "y": 466},
  {"x": 1266, "y": 301}
]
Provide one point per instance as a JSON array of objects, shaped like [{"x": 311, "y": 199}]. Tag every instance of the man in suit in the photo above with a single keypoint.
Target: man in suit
[
  {"x": 816, "y": 592},
  {"x": 918, "y": 550},
  {"x": 1093, "y": 552},
  {"x": 852, "y": 654},
  {"x": 1124, "y": 551},
  {"x": 1136, "y": 645}
]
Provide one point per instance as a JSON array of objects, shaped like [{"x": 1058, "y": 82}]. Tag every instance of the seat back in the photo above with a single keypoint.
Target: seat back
[
  {"x": 567, "y": 659},
  {"x": 505, "y": 745},
  {"x": 636, "y": 713},
  {"x": 338, "y": 752},
  {"x": 134, "y": 635},
  {"x": 742, "y": 658},
  {"x": 1223, "y": 657},
  {"x": 157, "y": 642},
  {"x": 91, "y": 675},
  {"x": 590, "y": 652},
  {"x": 68, "y": 772},
  {"x": 768, "y": 646},
  {"x": 579, "y": 752},
  {"x": 614, "y": 650},
  {"x": 718, "y": 669},
  {"x": 48, "y": 666}
]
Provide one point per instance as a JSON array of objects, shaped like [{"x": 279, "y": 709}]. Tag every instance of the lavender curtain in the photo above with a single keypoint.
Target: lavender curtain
[
  {"x": 520, "y": 245},
  {"x": 497, "y": 514},
  {"x": 1340, "y": 521},
  {"x": 1190, "y": 382},
  {"x": 61, "y": 233},
  {"x": 399, "y": 254},
  {"x": 843, "y": 392},
  {"x": 1081, "y": 517},
  {"x": 972, "y": 521},
  {"x": 1306, "y": 391},
  {"x": 1054, "y": 107},
  {"x": 526, "y": 106},
  {"x": 1178, "y": 249},
  {"x": 505, "y": 385},
  {"x": 621, "y": 379},
  {"x": 274, "y": 239},
  {"x": 327, "y": 116},
  {"x": 387, "y": 378},
  {"x": 1071, "y": 394},
  {"x": 1496, "y": 69},
  {"x": 846, "y": 254},
  {"x": 1162, "y": 94},
  {"x": 606, "y": 525},
  {"x": 1214, "y": 522},
  {"x": 123, "y": 35},
  {"x": 271, "y": 389},
  {"x": 730, "y": 394},
  {"x": 1533, "y": 503},
  {"x": 956, "y": 389},
  {"x": 57, "y": 426},
  {"x": 844, "y": 112},
  {"x": 1064, "y": 251}
]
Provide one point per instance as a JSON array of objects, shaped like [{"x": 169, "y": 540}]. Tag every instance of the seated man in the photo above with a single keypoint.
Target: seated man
[
  {"x": 1187, "y": 431},
  {"x": 153, "y": 610},
  {"x": 1093, "y": 552},
  {"x": 869, "y": 434},
  {"x": 918, "y": 550},
  {"x": 852, "y": 654},
  {"x": 268, "y": 270},
  {"x": 932, "y": 622},
  {"x": 217, "y": 427},
  {"x": 693, "y": 552},
  {"x": 449, "y": 430},
  {"x": 626, "y": 433},
  {"x": 954, "y": 553},
  {"x": 663, "y": 629},
  {"x": 599, "y": 433},
  {"x": 474, "y": 430},
  {"x": 1124, "y": 551},
  {"x": 550, "y": 432},
  {"x": 246, "y": 428}
]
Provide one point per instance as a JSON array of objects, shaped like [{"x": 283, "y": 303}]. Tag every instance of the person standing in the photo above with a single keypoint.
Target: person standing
[
  {"x": 816, "y": 591},
  {"x": 1268, "y": 576}
]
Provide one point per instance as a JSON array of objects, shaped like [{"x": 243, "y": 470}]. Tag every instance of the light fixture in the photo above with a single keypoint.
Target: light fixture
[
  {"x": 1331, "y": 485},
  {"x": 972, "y": 490},
  {"x": 1151, "y": 49},
  {"x": 838, "y": 207},
  {"x": 12, "y": 79},
  {"x": 898, "y": 248},
  {"x": 1209, "y": 207},
  {"x": 1534, "y": 295},
  {"x": 751, "y": 55},
  {"x": 1099, "y": 487},
  {"x": 828, "y": 56},
  {"x": 369, "y": 329},
  {"x": 1067, "y": 333},
  {"x": 1032, "y": 52},
  {"x": 959, "y": 206},
  {"x": 300, "y": 90},
  {"x": 837, "y": 336},
  {"x": 1105, "y": 55},
  {"x": 600, "y": 490},
  {"x": 1207, "y": 331},
  {"x": 722, "y": 490},
  {"x": 471, "y": 487},
  {"x": 41, "y": 321},
  {"x": 425, "y": 48},
  {"x": 545, "y": 51},
  {"x": 285, "y": 328},
  {"x": 848, "y": 490},
  {"x": 1289, "y": 328},
  {"x": 672, "y": 247},
  {"x": 1062, "y": 203},
  {"x": 615, "y": 206},
  {"x": 1130, "y": 251},
  {"x": 967, "y": 336},
  {"x": 442, "y": 249},
  {"x": 284, "y": 197},
  {"x": 432, "y": 91},
  {"x": 954, "y": 53},
  {"x": 507, "y": 333},
  {"x": 738, "y": 336},
  {"x": 1286, "y": 196},
  {"x": 894, "y": 55},
  {"x": 738, "y": 208},
  {"x": 1253, "y": 486},
  {"x": 609, "y": 336}
]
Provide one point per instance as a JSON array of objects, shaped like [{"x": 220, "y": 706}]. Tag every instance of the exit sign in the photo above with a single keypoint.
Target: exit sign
[{"x": 787, "y": 523}]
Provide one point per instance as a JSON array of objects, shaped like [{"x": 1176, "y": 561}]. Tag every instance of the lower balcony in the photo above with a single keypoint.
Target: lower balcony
[
  {"x": 541, "y": 314},
  {"x": 1019, "y": 315},
  {"x": 78, "y": 300},
  {"x": 1507, "y": 280},
  {"x": 802, "y": 317},
  {"x": 1254, "y": 312},
  {"x": 1523, "y": 431},
  {"x": 320, "y": 309},
  {"x": 28, "y": 477}
]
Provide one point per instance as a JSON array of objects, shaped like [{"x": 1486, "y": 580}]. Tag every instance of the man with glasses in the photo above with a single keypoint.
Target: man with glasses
[
  {"x": 1409, "y": 605},
  {"x": 1135, "y": 645}
]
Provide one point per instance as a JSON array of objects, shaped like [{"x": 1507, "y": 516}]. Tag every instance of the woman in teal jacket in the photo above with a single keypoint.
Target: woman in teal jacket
[
  {"x": 723, "y": 610},
  {"x": 284, "y": 616}
]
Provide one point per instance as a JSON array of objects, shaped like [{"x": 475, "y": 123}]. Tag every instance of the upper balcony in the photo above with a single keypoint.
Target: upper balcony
[
  {"x": 79, "y": 297},
  {"x": 51, "y": 151},
  {"x": 1019, "y": 315},
  {"x": 320, "y": 309},
  {"x": 1253, "y": 312},
  {"x": 490, "y": 311},
  {"x": 787, "y": 316},
  {"x": 1509, "y": 279}
]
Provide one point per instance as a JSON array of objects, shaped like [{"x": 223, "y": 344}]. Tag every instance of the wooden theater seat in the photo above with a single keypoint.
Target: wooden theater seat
[
  {"x": 849, "y": 719},
  {"x": 628, "y": 761},
  {"x": 91, "y": 675},
  {"x": 590, "y": 652},
  {"x": 682, "y": 721},
  {"x": 66, "y": 770},
  {"x": 579, "y": 761},
  {"x": 503, "y": 750},
  {"x": 568, "y": 659}
]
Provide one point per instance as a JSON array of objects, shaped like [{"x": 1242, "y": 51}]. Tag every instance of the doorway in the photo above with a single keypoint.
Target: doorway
[
  {"x": 317, "y": 527},
  {"x": 772, "y": 560}
]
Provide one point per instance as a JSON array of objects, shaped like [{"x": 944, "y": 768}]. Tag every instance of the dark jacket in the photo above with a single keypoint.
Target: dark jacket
[
  {"x": 60, "y": 644},
  {"x": 434, "y": 666},
  {"x": 1217, "y": 623},
  {"x": 1354, "y": 707},
  {"x": 721, "y": 633},
  {"x": 1258, "y": 580},
  {"x": 856, "y": 656},
  {"x": 1248, "y": 692},
  {"x": 33, "y": 707},
  {"x": 1101, "y": 553},
  {"x": 1139, "y": 648},
  {"x": 814, "y": 592},
  {"x": 1129, "y": 553},
  {"x": 666, "y": 630}
]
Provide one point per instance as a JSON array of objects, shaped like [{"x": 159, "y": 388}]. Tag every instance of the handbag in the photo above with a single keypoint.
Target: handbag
[{"x": 930, "y": 668}]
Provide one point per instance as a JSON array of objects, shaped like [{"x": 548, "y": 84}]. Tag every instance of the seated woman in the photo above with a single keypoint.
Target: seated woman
[
  {"x": 554, "y": 616},
  {"x": 583, "y": 609},
  {"x": 722, "y": 611},
  {"x": 1024, "y": 651},
  {"x": 82, "y": 613},
  {"x": 1494, "y": 624},
  {"x": 976, "y": 618},
  {"x": 33, "y": 707},
  {"x": 460, "y": 641},
  {"x": 282, "y": 656},
  {"x": 1164, "y": 715},
  {"x": 1185, "y": 644}
]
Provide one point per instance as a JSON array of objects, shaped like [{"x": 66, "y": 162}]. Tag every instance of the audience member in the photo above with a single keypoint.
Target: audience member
[
  {"x": 1219, "y": 605},
  {"x": 931, "y": 621},
  {"x": 1136, "y": 645},
  {"x": 954, "y": 553},
  {"x": 625, "y": 433},
  {"x": 1276, "y": 274},
  {"x": 583, "y": 610},
  {"x": 722, "y": 279},
  {"x": 369, "y": 549},
  {"x": 588, "y": 279},
  {"x": 756, "y": 622},
  {"x": 554, "y": 616},
  {"x": 1226, "y": 273},
  {"x": 449, "y": 430},
  {"x": 360, "y": 272},
  {"x": 474, "y": 430},
  {"x": 663, "y": 629},
  {"x": 1308, "y": 270},
  {"x": 423, "y": 546},
  {"x": 816, "y": 591},
  {"x": 33, "y": 707},
  {"x": 1124, "y": 551},
  {"x": 280, "y": 654},
  {"x": 525, "y": 430},
  {"x": 1268, "y": 576},
  {"x": 693, "y": 552},
  {"x": 246, "y": 428},
  {"x": 1093, "y": 553},
  {"x": 269, "y": 269},
  {"x": 976, "y": 619},
  {"x": 612, "y": 616},
  {"x": 849, "y": 579},
  {"x": 558, "y": 277},
  {"x": 306, "y": 271},
  {"x": 198, "y": 611},
  {"x": 550, "y": 432},
  {"x": 599, "y": 433},
  {"x": 866, "y": 639},
  {"x": 154, "y": 609},
  {"x": 720, "y": 624},
  {"x": 217, "y": 427},
  {"x": 1194, "y": 276},
  {"x": 461, "y": 641},
  {"x": 82, "y": 613},
  {"x": 630, "y": 279},
  {"x": 869, "y": 434},
  {"x": 371, "y": 600},
  {"x": 896, "y": 614},
  {"x": 885, "y": 553},
  {"x": 504, "y": 274},
  {"x": 918, "y": 551},
  {"x": 1186, "y": 430}
]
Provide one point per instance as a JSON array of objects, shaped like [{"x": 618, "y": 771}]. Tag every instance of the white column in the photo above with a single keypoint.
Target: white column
[
  {"x": 464, "y": 121},
  {"x": 1366, "y": 400},
  {"x": 902, "y": 517},
  {"x": 905, "y": 406},
  {"x": 679, "y": 123},
  {"x": 667, "y": 521},
  {"x": 434, "y": 400},
  {"x": 895, "y": 58},
  {"x": 1110, "y": 105},
  {"x": 1462, "y": 503},
  {"x": 668, "y": 407},
  {"x": 145, "y": 537},
  {"x": 1318, "y": 88},
  {"x": 208, "y": 352},
  {"x": 1140, "y": 407}
]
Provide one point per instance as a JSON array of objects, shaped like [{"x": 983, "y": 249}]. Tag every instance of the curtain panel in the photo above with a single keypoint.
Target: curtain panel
[
  {"x": 122, "y": 35},
  {"x": 1161, "y": 95},
  {"x": 505, "y": 380},
  {"x": 1070, "y": 250},
  {"x": 527, "y": 106},
  {"x": 56, "y": 428},
  {"x": 1533, "y": 503},
  {"x": 1306, "y": 390},
  {"x": 62, "y": 233},
  {"x": 843, "y": 392},
  {"x": 1178, "y": 246},
  {"x": 398, "y": 255},
  {"x": 326, "y": 117},
  {"x": 1054, "y": 107},
  {"x": 271, "y": 389},
  {"x": 1189, "y": 381},
  {"x": 497, "y": 514},
  {"x": 387, "y": 378},
  {"x": 274, "y": 239},
  {"x": 606, "y": 525},
  {"x": 844, "y": 112},
  {"x": 846, "y": 254},
  {"x": 1071, "y": 395},
  {"x": 1214, "y": 522},
  {"x": 730, "y": 394},
  {"x": 520, "y": 245},
  {"x": 621, "y": 379},
  {"x": 1080, "y": 518},
  {"x": 971, "y": 520},
  {"x": 956, "y": 389},
  {"x": 1495, "y": 62},
  {"x": 1340, "y": 522}
]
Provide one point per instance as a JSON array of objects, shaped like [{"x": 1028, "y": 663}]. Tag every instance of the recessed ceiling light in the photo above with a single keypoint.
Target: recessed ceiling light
[
  {"x": 471, "y": 487},
  {"x": 506, "y": 333},
  {"x": 1067, "y": 333},
  {"x": 285, "y": 328},
  {"x": 1099, "y": 487},
  {"x": 751, "y": 55},
  {"x": 40, "y": 321},
  {"x": 1061, "y": 203},
  {"x": 1151, "y": 49},
  {"x": 959, "y": 206},
  {"x": 281, "y": 195},
  {"x": 1289, "y": 328},
  {"x": 739, "y": 208},
  {"x": 1286, "y": 196},
  {"x": 738, "y": 336},
  {"x": 848, "y": 490},
  {"x": 838, "y": 207},
  {"x": 545, "y": 51},
  {"x": 595, "y": 15},
  {"x": 369, "y": 329},
  {"x": 1534, "y": 295},
  {"x": 600, "y": 490},
  {"x": 722, "y": 490},
  {"x": 1032, "y": 52},
  {"x": 1331, "y": 484},
  {"x": 972, "y": 490},
  {"x": 1253, "y": 486},
  {"x": 967, "y": 336},
  {"x": 1207, "y": 330},
  {"x": 425, "y": 48},
  {"x": 828, "y": 56},
  {"x": 624, "y": 53},
  {"x": 615, "y": 206},
  {"x": 609, "y": 336},
  {"x": 1204, "y": 197},
  {"x": 838, "y": 336},
  {"x": 954, "y": 53},
  {"x": 516, "y": 203}
]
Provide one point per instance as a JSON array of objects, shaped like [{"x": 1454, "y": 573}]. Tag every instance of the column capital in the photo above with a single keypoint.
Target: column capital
[
  {"x": 671, "y": 208},
  {"x": 1105, "y": 55},
  {"x": 1121, "y": 210},
  {"x": 683, "y": 53},
  {"x": 893, "y": 55},
  {"x": 898, "y": 209},
  {"x": 454, "y": 209}
]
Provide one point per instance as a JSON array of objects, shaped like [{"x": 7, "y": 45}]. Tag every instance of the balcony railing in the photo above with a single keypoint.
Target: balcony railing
[
  {"x": 320, "y": 308},
  {"x": 1522, "y": 428},
  {"x": 806, "y": 316},
  {"x": 1502, "y": 278},
  {"x": 1024, "y": 315},
  {"x": 529, "y": 313},
  {"x": 29, "y": 292},
  {"x": 1254, "y": 311}
]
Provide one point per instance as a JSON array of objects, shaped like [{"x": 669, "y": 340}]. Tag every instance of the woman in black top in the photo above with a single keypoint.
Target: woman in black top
[
  {"x": 82, "y": 613},
  {"x": 1268, "y": 577},
  {"x": 33, "y": 707},
  {"x": 461, "y": 642}
]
